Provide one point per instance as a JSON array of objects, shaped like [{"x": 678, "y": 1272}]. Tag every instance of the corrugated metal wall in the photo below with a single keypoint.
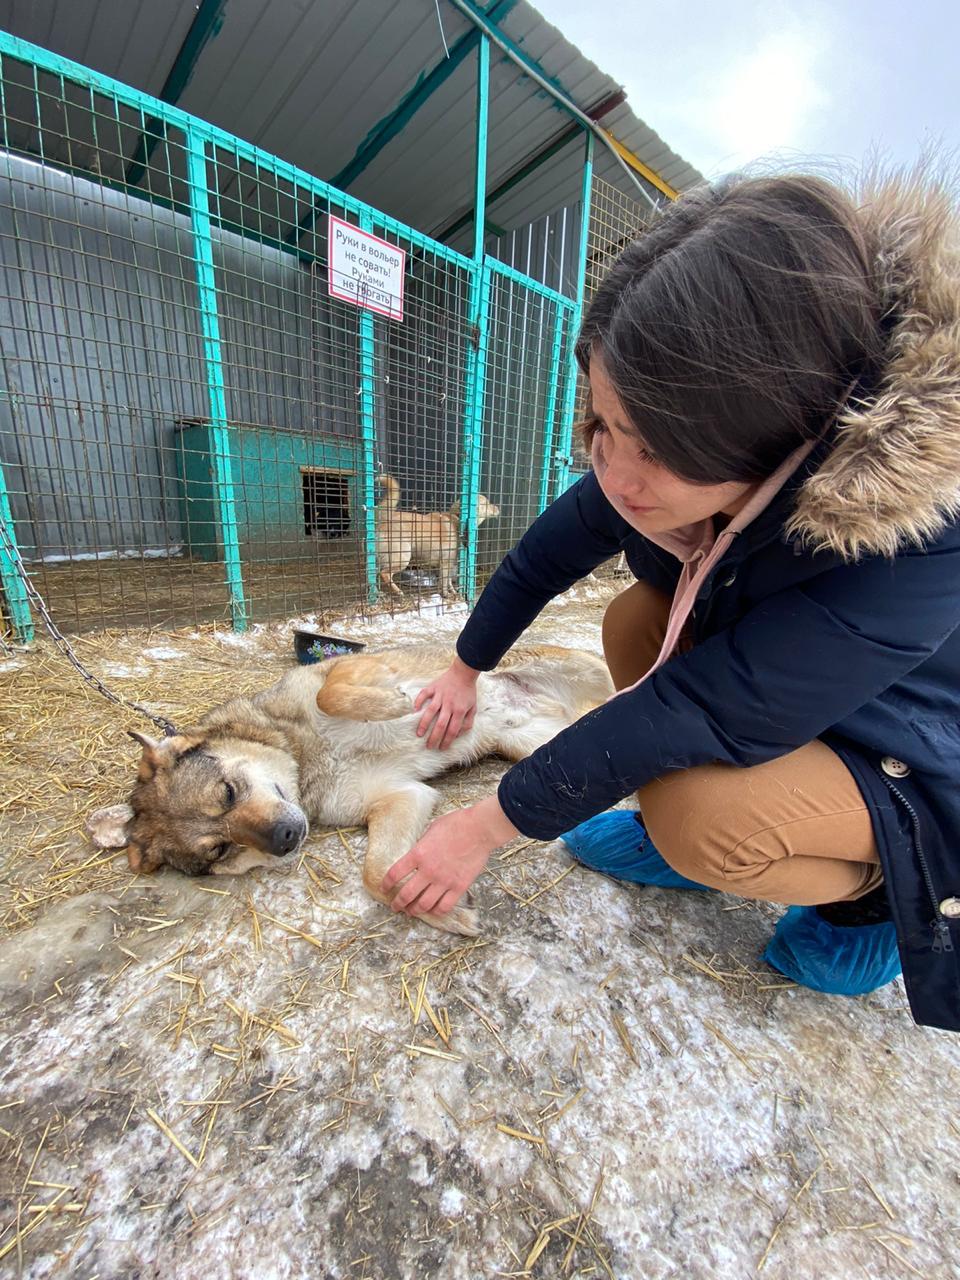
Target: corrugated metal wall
[
  {"x": 82, "y": 302},
  {"x": 102, "y": 356},
  {"x": 546, "y": 250}
]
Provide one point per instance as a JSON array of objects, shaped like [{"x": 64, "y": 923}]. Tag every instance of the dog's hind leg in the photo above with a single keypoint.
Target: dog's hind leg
[
  {"x": 394, "y": 824},
  {"x": 362, "y": 702}
]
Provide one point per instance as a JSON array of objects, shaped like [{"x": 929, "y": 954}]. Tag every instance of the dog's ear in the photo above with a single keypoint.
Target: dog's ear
[
  {"x": 143, "y": 863},
  {"x": 152, "y": 752},
  {"x": 110, "y": 827},
  {"x": 160, "y": 751}
]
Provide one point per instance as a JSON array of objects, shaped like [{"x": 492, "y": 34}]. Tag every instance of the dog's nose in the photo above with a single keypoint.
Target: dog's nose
[{"x": 286, "y": 836}]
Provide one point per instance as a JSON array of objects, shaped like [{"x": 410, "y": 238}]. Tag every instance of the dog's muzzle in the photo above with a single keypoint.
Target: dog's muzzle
[{"x": 288, "y": 833}]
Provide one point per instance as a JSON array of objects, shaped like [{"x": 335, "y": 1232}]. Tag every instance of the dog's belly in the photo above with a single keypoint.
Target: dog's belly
[{"x": 375, "y": 758}]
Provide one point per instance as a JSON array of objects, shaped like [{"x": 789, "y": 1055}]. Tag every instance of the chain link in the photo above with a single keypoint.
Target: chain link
[{"x": 63, "y": 644}]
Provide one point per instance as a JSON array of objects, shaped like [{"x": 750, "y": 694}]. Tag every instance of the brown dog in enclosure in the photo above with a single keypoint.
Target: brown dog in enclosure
[
  {"x": 334, "y": 743},
  {"x": 431, "y": 539}
]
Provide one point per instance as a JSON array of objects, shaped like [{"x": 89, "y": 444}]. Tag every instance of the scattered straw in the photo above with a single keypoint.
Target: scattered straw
[
  {"x": 255, "y": 920},
  {"x": 732, "y": 1047},
  {"x": 433, "y": 1053},
  {"x": 298, "y": 933},
  {"x": 703, "y": 967},
  {"x": 879, "y": 1198},
  {"x": 520, "y": 1133},
  {"x": 42, "y": 1211},
  {"x": 625, "y": 1040},
  {"x": 899, "y": 1257},
  {"x": 544, "y": 1238},
  {"x": 168, "y": 1133}
]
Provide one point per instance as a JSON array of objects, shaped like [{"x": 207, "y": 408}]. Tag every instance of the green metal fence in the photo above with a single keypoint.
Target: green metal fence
[{"x": 210, "y": 360}]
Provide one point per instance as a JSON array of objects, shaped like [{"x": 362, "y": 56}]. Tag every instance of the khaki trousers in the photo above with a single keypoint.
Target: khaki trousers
[{"x": 794, "y": 830}]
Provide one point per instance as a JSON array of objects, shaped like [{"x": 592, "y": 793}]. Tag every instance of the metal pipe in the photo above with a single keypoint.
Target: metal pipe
[
  {"x": 368, "y": 434},
  {"x": 489, "y": 29},
  {"x": 18, "y": 605},
  {"x": 226, "y": 504},
  {"x": 564, "y": 455},
  {"x": 477, "y": 337}
]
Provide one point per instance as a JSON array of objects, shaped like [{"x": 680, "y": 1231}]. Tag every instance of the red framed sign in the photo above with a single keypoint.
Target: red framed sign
[{"x": 364, "y": 269}]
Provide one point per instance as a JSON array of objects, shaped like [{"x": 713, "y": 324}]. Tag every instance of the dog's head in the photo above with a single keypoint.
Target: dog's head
[
  {"x": 486, "y": 510},
  {"x": 204, "y": 807}
]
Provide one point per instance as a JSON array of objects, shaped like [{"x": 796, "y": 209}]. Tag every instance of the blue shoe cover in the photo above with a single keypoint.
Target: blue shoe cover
[
  {"x": 617, "y": 844},
  {"x": 841, "y": 961}
]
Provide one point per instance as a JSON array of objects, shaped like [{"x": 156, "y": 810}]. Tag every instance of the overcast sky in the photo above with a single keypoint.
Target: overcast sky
[{"x": 727, "y": 83}]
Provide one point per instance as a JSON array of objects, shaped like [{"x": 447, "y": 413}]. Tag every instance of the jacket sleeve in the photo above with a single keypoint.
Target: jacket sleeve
[
  {"x": 573, "y": 536},
  {"x": 798, "y": 663}
]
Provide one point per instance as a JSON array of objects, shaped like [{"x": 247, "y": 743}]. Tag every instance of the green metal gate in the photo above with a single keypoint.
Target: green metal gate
[{"x": 192, "y": 422}]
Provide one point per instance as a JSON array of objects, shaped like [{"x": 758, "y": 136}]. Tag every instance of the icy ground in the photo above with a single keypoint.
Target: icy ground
[{"x": 273, "y": 1077}]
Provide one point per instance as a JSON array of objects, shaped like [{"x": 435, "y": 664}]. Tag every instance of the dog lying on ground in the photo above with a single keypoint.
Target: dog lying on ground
[
  {"x": 334, "y": 743},
  {"x": 431, "y": 540}
]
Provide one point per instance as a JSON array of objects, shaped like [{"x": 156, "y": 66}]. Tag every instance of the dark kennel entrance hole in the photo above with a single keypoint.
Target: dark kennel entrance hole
[{"x": 326, "y": 504}]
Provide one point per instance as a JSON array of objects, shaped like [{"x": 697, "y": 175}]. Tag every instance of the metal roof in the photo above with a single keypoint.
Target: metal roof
[{"x": 313, "y": 82}]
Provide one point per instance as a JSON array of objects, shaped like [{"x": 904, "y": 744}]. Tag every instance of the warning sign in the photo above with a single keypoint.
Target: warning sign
[{"x": 364, "y": 270}]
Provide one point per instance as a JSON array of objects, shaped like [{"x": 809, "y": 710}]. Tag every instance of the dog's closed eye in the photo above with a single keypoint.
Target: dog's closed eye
[
  {"x": 230, "y": 794},
  {"x": 221, "y": 851}
]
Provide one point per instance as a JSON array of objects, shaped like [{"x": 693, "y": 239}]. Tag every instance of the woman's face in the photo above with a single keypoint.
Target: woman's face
[{"x": 658, "y": 500}]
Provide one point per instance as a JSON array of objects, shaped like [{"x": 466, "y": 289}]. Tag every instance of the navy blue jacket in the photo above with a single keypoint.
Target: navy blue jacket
[{"x": 790, "y": 645}]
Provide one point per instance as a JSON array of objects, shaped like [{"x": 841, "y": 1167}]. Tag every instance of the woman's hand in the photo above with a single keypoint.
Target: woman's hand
[
  {"x": 447, "y": 858},
  {"x": 450, "y": 704}
]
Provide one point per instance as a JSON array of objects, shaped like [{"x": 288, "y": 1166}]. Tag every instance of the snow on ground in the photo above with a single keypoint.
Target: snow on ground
[{"x": 275, "y": 1078}]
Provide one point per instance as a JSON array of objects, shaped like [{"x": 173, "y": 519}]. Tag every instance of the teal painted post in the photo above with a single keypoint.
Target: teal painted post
[
  {"x": 368, "y": 433},
  {"x": 226, "y": 506},
  {"x": 478, "y": 308},
  {"x": 18, "y": 605},
  {"x": 564, "y": 456},
  {"x": 550, "y": 410}
]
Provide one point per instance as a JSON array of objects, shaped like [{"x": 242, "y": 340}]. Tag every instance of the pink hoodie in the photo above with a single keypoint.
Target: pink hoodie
[{"x": 697, "y": 546}]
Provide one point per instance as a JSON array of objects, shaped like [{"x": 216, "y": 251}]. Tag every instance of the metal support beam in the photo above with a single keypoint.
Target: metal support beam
[
  {"x": 531, "y": 165},
  {"x": 18, "y": 606},
  {"x": 564, "y": 456},
  {"x": 563, "y": 99},
  {"x": 213, "y": 361},
  {"x": 546, "y": 152},
  {"x": 398, "y": 119},
  {"x": 368, "y": 437},
  {"x": 550, "y": 409},
  {"x": 478, "y": 308},
  {"x": 206, "y": 23}
]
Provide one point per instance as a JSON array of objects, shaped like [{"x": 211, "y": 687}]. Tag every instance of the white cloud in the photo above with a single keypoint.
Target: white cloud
[
  {"x": 766, "y": 96},
  {"x": 765, "y": 100},
  {"x": 723, "y": 86}
]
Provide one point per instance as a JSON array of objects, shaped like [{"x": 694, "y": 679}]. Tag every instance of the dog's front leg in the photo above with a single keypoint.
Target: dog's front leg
[
  {"x": 394, "y": 824},
  {"x": 386, "y": 580},
  {"x": 235, "y": 864}
]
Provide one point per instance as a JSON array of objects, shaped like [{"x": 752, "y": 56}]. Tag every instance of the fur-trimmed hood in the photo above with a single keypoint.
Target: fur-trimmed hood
[{"x": 893, "y": 479}]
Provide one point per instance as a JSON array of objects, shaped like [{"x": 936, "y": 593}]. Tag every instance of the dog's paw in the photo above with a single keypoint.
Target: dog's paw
[{"x": 462, "y": 920}]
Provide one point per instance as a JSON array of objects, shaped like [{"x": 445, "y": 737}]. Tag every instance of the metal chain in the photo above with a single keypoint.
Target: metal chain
[{"x": 63, "y": 644}]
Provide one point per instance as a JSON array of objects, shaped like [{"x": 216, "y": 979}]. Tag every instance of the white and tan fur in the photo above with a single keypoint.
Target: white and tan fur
[
  {"x": 335, "y": 744},
  {"x": 428, "y": 539}
]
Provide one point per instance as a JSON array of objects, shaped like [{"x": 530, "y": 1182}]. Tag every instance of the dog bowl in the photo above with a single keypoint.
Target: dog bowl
[
  {"x": 313, "y": 646},
  {"x": 417, "y": 578}
]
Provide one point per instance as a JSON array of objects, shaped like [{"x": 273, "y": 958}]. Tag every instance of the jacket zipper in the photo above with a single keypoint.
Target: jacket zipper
[{"x": 942, "y": 941}]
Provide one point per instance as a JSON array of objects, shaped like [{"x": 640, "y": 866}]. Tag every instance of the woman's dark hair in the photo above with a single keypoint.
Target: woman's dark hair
[{"x": 735, "y": 323}]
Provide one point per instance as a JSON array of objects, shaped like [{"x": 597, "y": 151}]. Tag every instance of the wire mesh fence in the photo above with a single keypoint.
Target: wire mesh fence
[
  {"x": 615, "y": 220},
  {"x": 226, "y": 385}
]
